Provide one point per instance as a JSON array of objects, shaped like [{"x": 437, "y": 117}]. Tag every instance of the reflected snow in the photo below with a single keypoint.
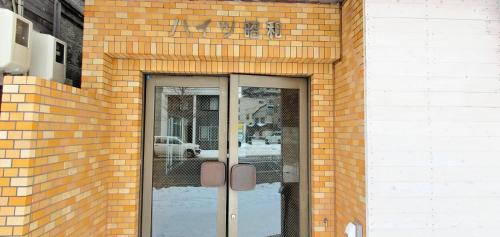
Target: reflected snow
[{"x": 191, "y": 211}]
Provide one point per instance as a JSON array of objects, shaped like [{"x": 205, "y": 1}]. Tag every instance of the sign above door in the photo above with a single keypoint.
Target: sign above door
[{"x": 251, "y": 28}]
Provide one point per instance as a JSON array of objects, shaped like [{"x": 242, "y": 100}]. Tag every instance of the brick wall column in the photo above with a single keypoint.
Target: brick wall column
[
  {"x": 19, "y": 111},
  {"x": 53, "y": 147}
]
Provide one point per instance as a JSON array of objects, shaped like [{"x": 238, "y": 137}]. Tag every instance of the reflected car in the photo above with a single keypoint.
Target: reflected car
[
  {"x": 173, "y": 146},
  {"x": 274, "y": 138}
]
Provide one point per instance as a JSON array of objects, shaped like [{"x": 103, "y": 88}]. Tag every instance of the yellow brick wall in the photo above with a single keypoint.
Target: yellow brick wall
[
  {"x": 322, "y": 133},
  {"x": 142, "y": 29},
  {"x": 126, "y": 39},
  {"x": 90, "y": 184},
  {"x": 349, "y": 121},
  {"x": 54, "y": 143}
]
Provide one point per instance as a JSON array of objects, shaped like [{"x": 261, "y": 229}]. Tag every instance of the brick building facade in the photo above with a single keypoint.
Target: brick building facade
[
  {"x": 409, "y": 148},
  {"x": 71, "y": 158}
]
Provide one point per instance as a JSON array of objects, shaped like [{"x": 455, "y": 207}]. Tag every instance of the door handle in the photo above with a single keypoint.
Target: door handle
[
  {"x": 243, "y": 177},
  {"x": 213, "y": 174}
]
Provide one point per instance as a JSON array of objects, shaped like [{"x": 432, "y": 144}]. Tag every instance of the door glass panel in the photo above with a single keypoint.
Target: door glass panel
[
  {"x": 268, "y": 137},
  {"x": 186, "y": 122}
]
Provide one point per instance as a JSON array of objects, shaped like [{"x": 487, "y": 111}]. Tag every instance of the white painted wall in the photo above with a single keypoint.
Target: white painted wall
[{"x": 433, "y": 118}]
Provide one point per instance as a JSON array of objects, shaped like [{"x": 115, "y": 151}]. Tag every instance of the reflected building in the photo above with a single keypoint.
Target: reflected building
[
  {"x": 260, "y": 110},
  {"x": 190, "y": 114}
]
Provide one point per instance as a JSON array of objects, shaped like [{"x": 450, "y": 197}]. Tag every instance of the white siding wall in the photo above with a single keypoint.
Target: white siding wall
[{"x": 433, "y": 118}]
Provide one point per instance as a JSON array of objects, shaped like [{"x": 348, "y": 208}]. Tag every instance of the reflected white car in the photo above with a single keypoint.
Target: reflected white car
[
  {"x": 173, "y": 147},
  {"x": 274, "y": 138}
]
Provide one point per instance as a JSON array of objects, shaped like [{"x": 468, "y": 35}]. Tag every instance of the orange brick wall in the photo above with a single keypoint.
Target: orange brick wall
[
  {"x": 142, "y": 30},
  {"x": 322, "y": 132},
  {"x": 84, "y": 178},
  {"x": 349, "y": 121},
  {"x": 126, "y": 39},
  {"x": 55, "y": 142}
]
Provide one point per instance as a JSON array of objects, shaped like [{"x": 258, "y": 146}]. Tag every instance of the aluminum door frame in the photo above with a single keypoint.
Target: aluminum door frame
[
  {"x": 147, "y": 183},
  {"x": 240, "y": 80}
]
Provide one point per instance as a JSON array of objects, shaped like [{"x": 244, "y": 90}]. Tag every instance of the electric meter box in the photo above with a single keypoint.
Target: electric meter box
[
  {"x": 48, "y": 59},
  {"x": 15, "y": 42}
]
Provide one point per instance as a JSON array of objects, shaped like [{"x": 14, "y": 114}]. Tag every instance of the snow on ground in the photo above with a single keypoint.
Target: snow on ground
[
  {"x": 184, "y": 211},
  {"x": 260, "y": 211},
  {"x": 209, "y": 154},
  {"x": 192, "y": 211},
  {"x": 258, "y": 148}
]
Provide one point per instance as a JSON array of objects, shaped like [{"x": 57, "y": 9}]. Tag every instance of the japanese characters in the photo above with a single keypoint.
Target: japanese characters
[{"x": 251, "y": 29}]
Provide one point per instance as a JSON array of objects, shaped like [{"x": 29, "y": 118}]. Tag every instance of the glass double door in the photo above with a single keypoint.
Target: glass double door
[{"x": 225, "y": 157}]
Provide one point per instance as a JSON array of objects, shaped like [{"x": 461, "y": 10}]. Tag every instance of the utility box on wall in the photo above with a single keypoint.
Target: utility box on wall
[
  {"x": 48, "y": 58},
  {"x": 15, "y": 42}
]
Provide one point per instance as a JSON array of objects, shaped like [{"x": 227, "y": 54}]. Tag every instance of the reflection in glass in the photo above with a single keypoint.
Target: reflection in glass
[
  {"x": 268, "y": 132},
  {"x": 185, "y": 135}
]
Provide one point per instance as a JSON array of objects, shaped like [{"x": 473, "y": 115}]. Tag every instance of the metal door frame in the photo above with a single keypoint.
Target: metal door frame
[
  {"x": 228, "y": 122},
  {"x": 239, "y": 80},
  {"x": 147, "y": 187}
]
